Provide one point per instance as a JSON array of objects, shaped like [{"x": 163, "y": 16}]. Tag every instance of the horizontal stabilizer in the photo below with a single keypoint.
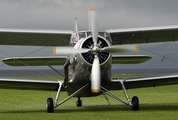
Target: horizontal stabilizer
[
  {"x": 35, "y": 61},
  {"x": 129, "y": 59}
]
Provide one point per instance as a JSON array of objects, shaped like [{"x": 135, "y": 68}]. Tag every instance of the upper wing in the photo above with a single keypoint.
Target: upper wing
[
  {"x": 144, "y": 35},
  {"x": 147, "y": 81},
  {"x": 34, "y": 37},
  {"x": 129, "y": 59},
  {"x": 35, "y": 61}
]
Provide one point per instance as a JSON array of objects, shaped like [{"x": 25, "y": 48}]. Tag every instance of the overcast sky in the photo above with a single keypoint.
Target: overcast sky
[
  {"x": 111, "y": 14},
  {"x": 60, "y": 14}
]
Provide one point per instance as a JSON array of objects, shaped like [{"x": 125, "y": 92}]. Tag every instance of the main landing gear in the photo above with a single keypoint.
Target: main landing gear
[
  {"x": 50, "y": 105},
  {"x": 135, "y": 101},
  {"x": 134, "y": 104}
]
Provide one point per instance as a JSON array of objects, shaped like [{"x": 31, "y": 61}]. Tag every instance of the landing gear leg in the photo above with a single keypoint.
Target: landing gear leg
[
  {"x": 134, "y": 104},
  {"x": 50, "y": 105},
  {"x": 55, "y": 105},
  {"x": 79, "y": 102},
  {"x": 105, "y": 96}
]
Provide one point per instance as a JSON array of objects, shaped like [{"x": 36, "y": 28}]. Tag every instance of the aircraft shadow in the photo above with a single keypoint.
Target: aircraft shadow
[
  {"x": 104, "y": 108},
  {"x": 160, "y": 107}
]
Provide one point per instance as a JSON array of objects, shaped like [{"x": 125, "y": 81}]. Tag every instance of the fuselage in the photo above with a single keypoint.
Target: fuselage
[{"x": 81, "y": 64}]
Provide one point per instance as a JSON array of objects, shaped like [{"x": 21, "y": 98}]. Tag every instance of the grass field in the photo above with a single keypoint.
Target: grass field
[{"x": 160, "y": 103}]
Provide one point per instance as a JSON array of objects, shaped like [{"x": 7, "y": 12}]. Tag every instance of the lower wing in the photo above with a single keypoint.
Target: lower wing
[
  {"x": 53, "y": 85},
  {"x": 35, "y": 61},
  {"x": 29, "y": 84},
  {"x": 147, "y": 81},
  {"x": 60, "y": 60}
]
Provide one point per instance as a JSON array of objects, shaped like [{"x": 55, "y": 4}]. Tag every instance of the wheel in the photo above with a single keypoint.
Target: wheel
[
  {"x": 135, "y": 103},
  {"x": 50, "y": 105},
  {"x": 79, "y": 103}
]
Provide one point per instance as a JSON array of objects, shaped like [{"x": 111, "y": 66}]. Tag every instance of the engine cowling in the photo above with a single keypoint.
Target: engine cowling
[{"x": 89, "y": 56}]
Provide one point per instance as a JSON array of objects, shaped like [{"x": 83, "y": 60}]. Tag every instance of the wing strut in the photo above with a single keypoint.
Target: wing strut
[
  {"x": 66, "y": 79},
  {"x": 53, "y": 68}
]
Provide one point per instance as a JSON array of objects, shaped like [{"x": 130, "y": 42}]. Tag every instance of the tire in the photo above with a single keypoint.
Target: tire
[
  {"x": 50, "y": 105},
  {"x": 135, "y": 103},
  {"x": 79, "y": 103}
]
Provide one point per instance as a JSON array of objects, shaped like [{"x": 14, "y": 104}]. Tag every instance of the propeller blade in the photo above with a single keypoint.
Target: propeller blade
[
  {"x": 95, "y": 76},
  {"x": 120, "y": 48},
  {"x": 93, "y": 24},
  {"x": 68, "y": 50}
]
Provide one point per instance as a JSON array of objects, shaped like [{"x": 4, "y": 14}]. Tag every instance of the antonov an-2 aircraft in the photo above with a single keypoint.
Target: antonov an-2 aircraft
[{"x": 88, "y": 64}]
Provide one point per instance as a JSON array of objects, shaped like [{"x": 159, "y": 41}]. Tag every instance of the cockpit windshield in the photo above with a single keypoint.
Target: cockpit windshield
[
  {"x": 75, "y": 37},
  {"x": 82, "y": 35}
]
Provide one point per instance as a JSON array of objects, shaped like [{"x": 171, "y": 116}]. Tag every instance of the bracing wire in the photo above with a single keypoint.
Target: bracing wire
[
  {"x": 27, "y": 64},
  {"x": 163, "y": 57}
]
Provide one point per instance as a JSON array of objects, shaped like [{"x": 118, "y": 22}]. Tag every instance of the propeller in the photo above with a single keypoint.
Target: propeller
[
  {"x": 111, "y": 49},
  {"x": 95, "y": 71},
  {"x": 68, "y": 50},
  {"x": 95, "y": 75},
  {"x": 120, "y": 48},
  {"x": 93, "y": 24}
]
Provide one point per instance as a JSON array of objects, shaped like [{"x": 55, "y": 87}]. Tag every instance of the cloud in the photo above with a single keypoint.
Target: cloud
[{"x": 60, "y": 14}]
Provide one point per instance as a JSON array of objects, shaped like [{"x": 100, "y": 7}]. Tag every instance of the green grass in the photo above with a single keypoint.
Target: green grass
[{"x": 160, "y": 103}]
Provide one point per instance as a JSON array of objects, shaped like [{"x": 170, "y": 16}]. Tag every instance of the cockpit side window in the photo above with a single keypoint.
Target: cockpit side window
[
  {"x": 108, "y": 37},
  {"x": 82, "y": 35},
  {"x": 101, "y": 34},
  {"x": 74, "y": 38},
  {"x": 105, "y": 35},
  {"x": 88, "y": 34}
]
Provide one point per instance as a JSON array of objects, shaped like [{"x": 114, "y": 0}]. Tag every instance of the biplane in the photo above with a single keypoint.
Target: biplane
[{"x": 88, "y": 61}]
